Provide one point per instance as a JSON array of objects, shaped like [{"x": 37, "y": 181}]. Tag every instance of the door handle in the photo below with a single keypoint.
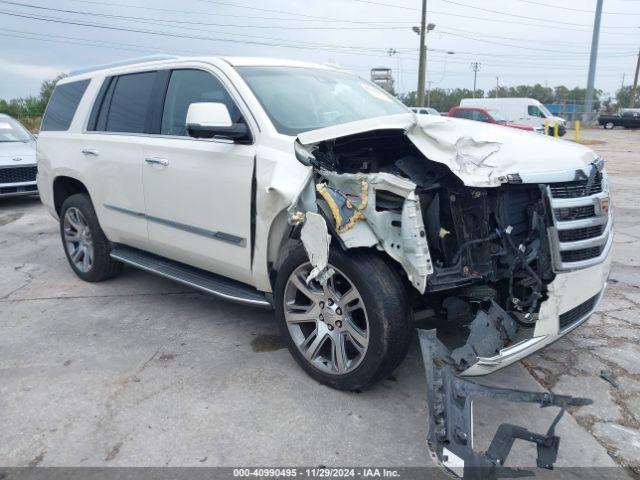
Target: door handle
[
  {"x": 90, "y": 152},
  {"x": 157, "y": 161}
]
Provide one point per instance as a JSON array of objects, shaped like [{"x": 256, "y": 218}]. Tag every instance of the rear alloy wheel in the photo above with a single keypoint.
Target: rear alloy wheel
[
  {"x": 77, "y": 239},
  {"x": 354, "y": 330},
  {"x": 609, "y": 125},
  {"x": 85, "y": 244}
]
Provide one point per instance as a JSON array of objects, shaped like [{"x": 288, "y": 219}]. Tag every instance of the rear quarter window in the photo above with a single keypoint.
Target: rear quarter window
[{"x": 62, "y": 105}]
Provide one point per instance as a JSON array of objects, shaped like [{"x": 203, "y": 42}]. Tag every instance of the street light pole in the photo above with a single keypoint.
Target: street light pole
[
  {"x": 475, "y": 66},
  {"x": 635, "y": 83},
  {"x": 588, "y": 103},
  {"x": 497, "y": 85},
  {"x": 422, "y": 62}
]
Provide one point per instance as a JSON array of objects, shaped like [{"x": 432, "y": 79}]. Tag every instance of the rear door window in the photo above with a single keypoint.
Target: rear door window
[
  {"x": 187, "y": 87},
  {"x": 130, "y": 103},
  {"x": 63, "y": 105}
]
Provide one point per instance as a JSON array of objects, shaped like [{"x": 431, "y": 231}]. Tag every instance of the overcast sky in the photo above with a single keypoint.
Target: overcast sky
[{"x": 519, "y": 41}]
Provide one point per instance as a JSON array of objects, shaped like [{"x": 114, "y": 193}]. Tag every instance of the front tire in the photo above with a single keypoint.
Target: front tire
[
  {"x": 351, "y": 332},
  {"x": 85, "y": 244}
]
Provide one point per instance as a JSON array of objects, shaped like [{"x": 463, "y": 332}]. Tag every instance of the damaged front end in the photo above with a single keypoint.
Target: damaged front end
[
  {"x": 479, "y": 239},
  {"x": 469, "y": 252}
]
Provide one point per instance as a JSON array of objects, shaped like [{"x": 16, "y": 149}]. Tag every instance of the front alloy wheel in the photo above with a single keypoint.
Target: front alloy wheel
[
  {"x": 328, "y": 323},
  {"x": 351, "y": 332},
  {"x": 78, "y": 240}
]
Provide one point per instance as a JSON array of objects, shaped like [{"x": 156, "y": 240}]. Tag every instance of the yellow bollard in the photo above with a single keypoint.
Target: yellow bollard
[
  {"x": 576, "y": 131},
  {"x": 546, "y": 128},
  {"x": 556, "y": 129}
]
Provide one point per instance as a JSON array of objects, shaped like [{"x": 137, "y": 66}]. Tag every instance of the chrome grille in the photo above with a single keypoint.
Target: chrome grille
[
  {"x": 580, "y": 188},
  {"x": 574, "y": 213},
  {"x": 18, "y": 174},
  {"x": 581, "y": 231}
]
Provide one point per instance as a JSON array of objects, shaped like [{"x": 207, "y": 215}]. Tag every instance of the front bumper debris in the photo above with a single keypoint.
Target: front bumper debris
[{"x": 450, "y": 436}]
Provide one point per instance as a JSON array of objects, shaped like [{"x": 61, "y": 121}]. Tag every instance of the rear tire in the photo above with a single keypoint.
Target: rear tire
[
  {"x": 85, "y": 244},
  {"x": 352, "y": 332},
  {"x": 609, "y": 125}
]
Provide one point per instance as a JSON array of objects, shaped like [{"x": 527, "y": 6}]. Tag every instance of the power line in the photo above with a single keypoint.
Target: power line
[
  {"x": 522, "y": 16},
  {"x": 476, "y": 18},
  {"x": 188, "y": 22},
  {"x": 574, "y": 9},
  {"x": 297, "y": 45}
]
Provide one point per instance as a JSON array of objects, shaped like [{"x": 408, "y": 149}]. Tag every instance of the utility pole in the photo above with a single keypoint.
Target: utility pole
[
  {"x": 635, "y": 83},
  {"x": 475, "y": 66},
  {"x": 497, "y": 85},
  {"x": 588, "y": 103},
  {"x": 422, "y": 63},
  {"x": 429, "y": 94},
  {"x": 622, "y": 85}
]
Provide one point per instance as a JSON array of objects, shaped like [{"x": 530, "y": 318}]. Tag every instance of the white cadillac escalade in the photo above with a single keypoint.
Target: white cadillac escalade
[{"x": 306, "y": 189}]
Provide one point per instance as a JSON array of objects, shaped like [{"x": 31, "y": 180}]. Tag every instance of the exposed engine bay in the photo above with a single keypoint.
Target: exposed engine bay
[{"x": 472, "y": 254}]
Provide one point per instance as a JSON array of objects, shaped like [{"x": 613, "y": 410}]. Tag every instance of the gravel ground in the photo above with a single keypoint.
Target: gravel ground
[{"x": 139, "y": 371}]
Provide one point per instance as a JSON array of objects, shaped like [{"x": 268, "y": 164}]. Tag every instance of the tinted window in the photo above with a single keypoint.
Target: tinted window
[
  {"x": 130, "y": 103},
  {"x": 187, "y": 87},
  {"x": 535, "y": 111},
  {"x": 62, "y": 105},
  {"x": 462, "y": 114}
]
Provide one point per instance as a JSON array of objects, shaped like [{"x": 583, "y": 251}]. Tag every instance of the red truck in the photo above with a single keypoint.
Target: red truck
[{"x": 489, "y": 116}]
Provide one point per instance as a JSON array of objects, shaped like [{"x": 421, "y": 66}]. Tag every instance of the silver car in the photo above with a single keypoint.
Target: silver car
[{"x": 18, "y": 167}]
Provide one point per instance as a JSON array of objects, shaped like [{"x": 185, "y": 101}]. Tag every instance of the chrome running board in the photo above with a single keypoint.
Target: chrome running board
[{"x": 202, "y": 280}]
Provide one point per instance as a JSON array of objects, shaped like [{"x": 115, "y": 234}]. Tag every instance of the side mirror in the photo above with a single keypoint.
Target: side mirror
[{"x": 212, "y": 119}]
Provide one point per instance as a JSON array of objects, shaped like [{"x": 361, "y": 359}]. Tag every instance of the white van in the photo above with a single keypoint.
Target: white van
[{"x": 525, "y": 111}]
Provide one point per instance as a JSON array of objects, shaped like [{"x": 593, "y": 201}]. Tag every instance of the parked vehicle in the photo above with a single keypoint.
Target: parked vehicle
[
  {"x": 627, "y": 118},
  {"x": 489, "y": 116},
  {"x": 309, "y": 190},
  {"x": 524, "y": 111},
  {"x": 425, "y": 110},
  {"x": 18, "y": 166}
]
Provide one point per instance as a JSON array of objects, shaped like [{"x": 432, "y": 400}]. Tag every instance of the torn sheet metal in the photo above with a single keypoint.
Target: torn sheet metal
[
  {"x": 401, "y": 235},
  {"x": 450, "y": 400},
  {"x": 480, "y": 154},
  {"x": 316, "y": 240}
]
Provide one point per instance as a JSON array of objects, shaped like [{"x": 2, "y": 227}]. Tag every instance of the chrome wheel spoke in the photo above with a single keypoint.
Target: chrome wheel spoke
[
  {"x": 86, "y": 258},
  {"x": 77, "y": 254},
  {"x": 339, "y": 354},
  {"x": 302, "y": 286},
  {"x": 359, "y": 338},
  {"x": 308, "y": 315},
  {"x": 313, "y": 343},
  {"x": 349, "y": 298}
]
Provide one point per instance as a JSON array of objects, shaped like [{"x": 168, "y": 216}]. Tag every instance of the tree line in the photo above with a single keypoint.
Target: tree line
[{"x": 443, "y": 99}]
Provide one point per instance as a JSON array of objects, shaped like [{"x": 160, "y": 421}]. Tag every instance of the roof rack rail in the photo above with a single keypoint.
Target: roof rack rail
[{"x": 122, "y": 63}]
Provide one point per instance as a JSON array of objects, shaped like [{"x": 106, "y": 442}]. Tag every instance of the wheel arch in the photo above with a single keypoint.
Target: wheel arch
[{"x": 63, "y": 187}]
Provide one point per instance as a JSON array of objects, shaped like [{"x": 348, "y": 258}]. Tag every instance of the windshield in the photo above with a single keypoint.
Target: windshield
[
  {"x": 302, "y": 99},
  {"x": 12, "y": 131},
  {"x": 497, "y": 116},
  {"x": 545, "y": 110}
]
